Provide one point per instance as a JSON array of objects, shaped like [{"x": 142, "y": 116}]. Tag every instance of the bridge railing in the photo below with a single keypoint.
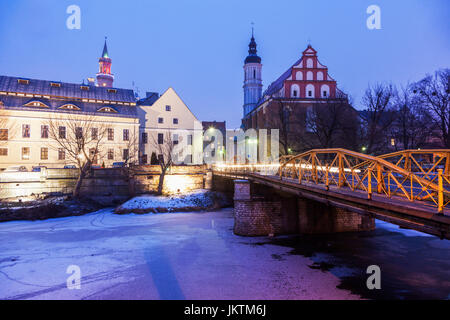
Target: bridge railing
[{"x": 400, "y": 174}]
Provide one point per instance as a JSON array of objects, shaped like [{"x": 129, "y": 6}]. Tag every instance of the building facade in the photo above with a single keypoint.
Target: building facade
[
  {"x": 293, "y": 101},
  {"x": 168, "y": 117},
  {"x": 30, "y": 109}
]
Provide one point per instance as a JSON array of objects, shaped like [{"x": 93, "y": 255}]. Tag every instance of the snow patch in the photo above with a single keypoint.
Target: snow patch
[{"x": 191, "y": 201}]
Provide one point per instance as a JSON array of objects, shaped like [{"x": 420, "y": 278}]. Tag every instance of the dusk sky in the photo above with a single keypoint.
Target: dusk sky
[{"x": 198, "y": 47}]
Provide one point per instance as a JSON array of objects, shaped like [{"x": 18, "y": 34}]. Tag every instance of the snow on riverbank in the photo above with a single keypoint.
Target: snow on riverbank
[{"x": 192, "y": 201}]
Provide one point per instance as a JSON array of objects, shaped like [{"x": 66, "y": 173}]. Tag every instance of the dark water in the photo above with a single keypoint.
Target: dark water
[{"x": 412, "y": 267}]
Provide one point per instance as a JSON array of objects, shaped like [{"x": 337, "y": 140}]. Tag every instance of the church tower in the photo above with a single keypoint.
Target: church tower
[
  {"x": 104, "y": 76},
  {"x": 252, "y": 78}
]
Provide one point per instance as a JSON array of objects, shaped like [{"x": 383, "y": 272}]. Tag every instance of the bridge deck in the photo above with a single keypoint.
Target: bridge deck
[{"x": 421, "y": 215}]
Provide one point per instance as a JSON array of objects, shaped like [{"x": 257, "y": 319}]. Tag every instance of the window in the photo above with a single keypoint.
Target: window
[
  {"x": 126, "y": 154},
  {"x": 160, "y": 120},
  {"x": 110, "y": 154},
  {"x": 55, "y": 84},
  {"x": 254, "y": 74},
  {"x": 325, "y": 91},
  {"x": 112, "y": 90},
  {"x": 44, "y": 132},
  {"x": 25, "y": 131},
  {"x": 144, "y": 159},
  {"x": 44, "y": 153},
  {"x": 144, "y": 137},
  {"x": 175, "y": 120},
  {"x": 93, "y": 152},
  {"x": 309, "y": 75},
  {"x": 62, "y": 132},
  {"x": 110, "y": 134},
  {"x": 310, "y": 90},
  {"x": 168, "y": 108},
  {"x": 107, "y": 109},
  {"x": 299, "y": 75},
  {"x": 36, "y": 104},
  {"x": 61, "y": 154},
  {"x": 3, "y": 134},
  {"x": 69, "y": 107},
  {"x": 320, "y": 75},
  {"x": 23, "y": 81},
  {"x": 309, "y": 63},
  {"x": 3, "y": 152},
  {"x": 84, "y": 88},
  {"x": 94, "y": 133},
  {"x": 78, "y": 133},
  {"x": 175, "y": 138},
  {"x": 189, "y": 140},
  {"x": 126, "y": 135},
  {"x": 160, "y": 138},
  {"x": 25, "y": 153},
  {"x": 295, "y": 90}
]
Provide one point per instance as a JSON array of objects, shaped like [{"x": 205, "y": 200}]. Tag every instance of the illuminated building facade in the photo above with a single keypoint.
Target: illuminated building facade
[{"x": 27, "y": 105}]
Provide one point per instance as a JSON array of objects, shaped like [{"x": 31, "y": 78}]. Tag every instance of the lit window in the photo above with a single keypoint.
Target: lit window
[
  {"x": 61, "y": 154},
  {"x": 3, "y": 134},
  {"x": 23, "y": 81},
  {"x": 110, "y": 90},
  {"x": 69, "y": 107},
  {"x": 55, "y": 84},
  {"x": 36, "y": 104},
  {"x": 25, "y": 153},
  {"x": 3, "y": 152},
  {"x": 107, "y": 109},
  {"x": 44, "y": 153}
]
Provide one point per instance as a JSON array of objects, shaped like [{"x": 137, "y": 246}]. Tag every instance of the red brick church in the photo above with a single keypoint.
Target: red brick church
[{"x": 288, "y": 103}]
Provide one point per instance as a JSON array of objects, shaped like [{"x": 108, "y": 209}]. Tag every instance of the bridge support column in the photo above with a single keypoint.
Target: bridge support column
[
  {"x": 315, "y": 217},
  {"x": 260, "y": 215}
]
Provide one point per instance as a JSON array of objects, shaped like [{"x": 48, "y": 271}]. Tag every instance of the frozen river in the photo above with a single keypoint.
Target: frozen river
[{"x": 196, "y": 256}]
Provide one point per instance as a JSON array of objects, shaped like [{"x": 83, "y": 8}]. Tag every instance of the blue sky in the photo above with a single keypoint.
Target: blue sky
[{"x": 198, "y": 47}]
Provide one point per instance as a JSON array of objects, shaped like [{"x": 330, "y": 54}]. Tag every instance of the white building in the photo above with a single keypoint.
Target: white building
[{"x": 167, "y": 116}]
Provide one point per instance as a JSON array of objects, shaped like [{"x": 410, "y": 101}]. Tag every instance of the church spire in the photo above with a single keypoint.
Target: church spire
[
  {"x": 252, "y": 52},
  {"x": 105, "y": 50},
  {"x": 104, "y": 75}
]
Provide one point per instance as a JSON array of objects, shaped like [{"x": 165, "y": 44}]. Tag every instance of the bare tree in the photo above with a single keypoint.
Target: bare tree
[
  {"x": 130, "y": 155},
  {"x": 377, "y": 117},
  {"x": 413, "y": 125},
  {"x": 434, "y": 94},
  {"x": 331, "y": 123},
  {"x": 164, "y": 145},
  {"x": 283, "y": 117},
  {"x": 77, "y": 138}
]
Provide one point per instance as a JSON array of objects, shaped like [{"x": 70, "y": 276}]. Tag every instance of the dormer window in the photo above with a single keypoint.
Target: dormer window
[
  {"x": 107, "y": 109},
  {"x": 55, "y": 84},
  {"x": 23, "y": 81},
  {"x": 36, "y": 104},
  {"x": 69, "y": 107},
  {"x": 112, "y": 90},
  {"x": 86, "y": 88}
]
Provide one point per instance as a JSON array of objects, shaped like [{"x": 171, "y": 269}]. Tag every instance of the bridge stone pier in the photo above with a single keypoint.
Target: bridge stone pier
[{"x": 260, "y": 211}]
